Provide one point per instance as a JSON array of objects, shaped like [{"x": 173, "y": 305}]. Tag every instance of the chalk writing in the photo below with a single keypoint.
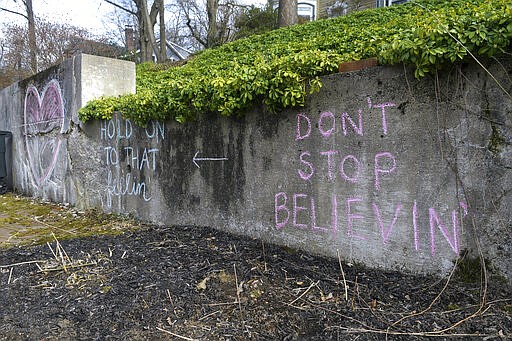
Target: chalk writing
[
  {"x": 327, "y": 122},
  {"x": 302, "y": 210},
  {"x": 391, "y": 161},
  {"x": 349, "y": 168},
  {"x": 195, "y": 159},
  {"x": 43, "y": 114},
  {"x": 352, "y": 214},
  {"x": 385, "y": 231},
  {"x": 130, "y": 167},
  {"x": 125, "y": 185},
  {"x": 119, "y": 129}
]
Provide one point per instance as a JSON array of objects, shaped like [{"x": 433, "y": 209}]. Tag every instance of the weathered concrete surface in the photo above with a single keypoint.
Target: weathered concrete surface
[
  {"x": 382, "y": 168},
  {"x": 41, "y": 113},
  {"x": 101, "y": 76}
]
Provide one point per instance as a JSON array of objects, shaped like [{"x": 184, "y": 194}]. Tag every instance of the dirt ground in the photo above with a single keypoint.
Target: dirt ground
[{"x": 194, "y": 283}]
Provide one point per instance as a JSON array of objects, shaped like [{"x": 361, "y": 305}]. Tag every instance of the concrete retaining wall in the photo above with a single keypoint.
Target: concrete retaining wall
[{"x": 384, "y": 169}]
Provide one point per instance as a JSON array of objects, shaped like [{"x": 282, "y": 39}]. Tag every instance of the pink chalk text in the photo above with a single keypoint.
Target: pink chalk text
[{"x": 352, "y": 215}]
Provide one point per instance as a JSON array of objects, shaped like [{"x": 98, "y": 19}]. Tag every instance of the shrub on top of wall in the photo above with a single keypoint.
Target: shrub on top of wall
[{"x": 281, "y": 67}]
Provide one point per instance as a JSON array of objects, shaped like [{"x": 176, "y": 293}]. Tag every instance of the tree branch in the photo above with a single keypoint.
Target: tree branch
[
  {"x": 194, "y": 34},
  {"x": 14, "y": 12},
  {"x": 154, "y": 11},
  {"x": 120, "y": 7}
]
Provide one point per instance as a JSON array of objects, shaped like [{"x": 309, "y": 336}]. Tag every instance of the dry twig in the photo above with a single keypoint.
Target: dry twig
[
  {"x": 176, "y": 335},
  {"x": 21, "y": 263},
  {"x": 302, "y": 295},
  {"x": 237, "y": 290},
  {"x": 343, "y": 275}
]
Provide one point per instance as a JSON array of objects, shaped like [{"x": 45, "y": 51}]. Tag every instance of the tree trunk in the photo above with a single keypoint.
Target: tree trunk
[
  {"x": 287, "y": 13},
  {"x": 31, "y": 36},
  {"x": 212, "y": 7},
  {"x": 163, "y": 41},
  {"x": 147, "y": 23}
]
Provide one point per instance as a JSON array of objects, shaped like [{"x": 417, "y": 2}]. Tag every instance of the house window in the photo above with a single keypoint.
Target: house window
[
  {"x": 306, "y": 10},
  {"x": 385, "y": 3}
]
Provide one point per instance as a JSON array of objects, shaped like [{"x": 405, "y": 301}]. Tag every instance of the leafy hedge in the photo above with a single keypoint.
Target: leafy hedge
[{"x": 281, "y": 67}]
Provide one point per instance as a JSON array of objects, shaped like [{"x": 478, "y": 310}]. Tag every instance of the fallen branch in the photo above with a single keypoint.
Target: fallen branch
[
  {"x": 176, "y": 335},
  {"x": 343, "y": 275},
  {"x": 302, "y": 295},
  {"x": 54, "y": 227},
  {"x": 431, "y": 303},
  {"x": 21, "y": 263},
  {"x": 424, "y": 334}
]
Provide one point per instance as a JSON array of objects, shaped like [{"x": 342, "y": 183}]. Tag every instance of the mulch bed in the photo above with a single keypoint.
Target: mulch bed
[{"x": 190, "y": 283}]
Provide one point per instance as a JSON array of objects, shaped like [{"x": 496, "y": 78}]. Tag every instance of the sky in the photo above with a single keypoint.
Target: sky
[{"x": 89, "y": 14}]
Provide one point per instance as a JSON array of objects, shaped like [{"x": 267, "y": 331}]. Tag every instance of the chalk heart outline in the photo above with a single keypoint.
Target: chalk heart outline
[{"x": 43, "y": 114}]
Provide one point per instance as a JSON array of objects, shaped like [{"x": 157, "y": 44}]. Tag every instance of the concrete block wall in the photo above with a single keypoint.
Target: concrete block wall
[
  {"x": 42, "y": 114},
  {"x": 379, "y": 167}
]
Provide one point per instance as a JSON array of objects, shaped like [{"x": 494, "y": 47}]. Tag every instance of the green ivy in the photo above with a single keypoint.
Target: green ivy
[{"x": 282, "y": 67}]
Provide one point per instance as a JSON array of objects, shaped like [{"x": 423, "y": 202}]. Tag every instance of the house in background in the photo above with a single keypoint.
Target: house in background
[
  {"x": 174, "y": 51},
  {"x": 336, "y": 8},
  {"x": 307, "y": 10}
]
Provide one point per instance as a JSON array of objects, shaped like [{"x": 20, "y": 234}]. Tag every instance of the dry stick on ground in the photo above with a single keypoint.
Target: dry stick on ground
[
  {"x": 356, "y": 290},
  {"x": 431, "y": 303},
  {"x": 10, "y": 276},
  {"x": 53, "y": 226},
  {"x": 65, "y": 268},
  {"x": 176, "y": 335},
  {"x": 62, "y": 259},
  {"x": 302, "y": 295},
  {"x": 11, "y": 237},
  {"x": 21, "y": 263},
  {"x": 367, "y": 329},
  {"x": 314, "y": 305},
  {"x": 172, "y": 303},
  {"x": 343, "y": 275},
  {"x": 237, "y": 291},
  {"x": 426, "y": 334},
  {"x": 264, "y": 257},
  {"x": 59, "y": 253},
  {"x": 208, "y": 315}
]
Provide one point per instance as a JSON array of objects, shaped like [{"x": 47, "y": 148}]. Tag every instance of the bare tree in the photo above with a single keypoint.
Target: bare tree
[
  {"x": 54, "y": 43},
  {"x": 147, "y": 18},
  {"x": 29, "y": 15},
  {"x": 219, "y": 27}
]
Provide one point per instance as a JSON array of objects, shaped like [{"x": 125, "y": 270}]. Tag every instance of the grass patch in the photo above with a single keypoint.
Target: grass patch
[{"x": 28, "y": 221}]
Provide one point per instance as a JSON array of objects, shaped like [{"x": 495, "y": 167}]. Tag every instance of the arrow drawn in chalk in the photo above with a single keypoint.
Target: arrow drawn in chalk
[{"x": 195, "y": 159}]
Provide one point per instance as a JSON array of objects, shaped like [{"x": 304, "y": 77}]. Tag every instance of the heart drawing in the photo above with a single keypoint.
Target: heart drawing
[{"x": 43, "y": 114}]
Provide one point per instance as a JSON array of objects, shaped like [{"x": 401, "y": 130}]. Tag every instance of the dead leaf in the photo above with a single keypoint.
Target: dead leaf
[
  {"x": 202, "y": 285},
  {"x": 327, "y": 298}
]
